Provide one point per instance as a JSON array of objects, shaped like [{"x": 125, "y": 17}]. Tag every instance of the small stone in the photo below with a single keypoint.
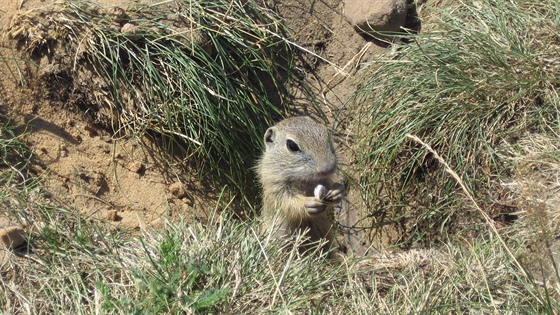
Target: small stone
[
  {"x": 136, "y": 167},
  {"x": 63, "y": 151},
  {"x": 372, "y": 16},
  {"x": 113, "y": 215},
  {"x": 131, "y": 31},
  {"x": 12, "y": 237},
  {"x": 178, "y": 190},
  {"x": 157, "y": 223},
  {"x": 195, "y": 37}
]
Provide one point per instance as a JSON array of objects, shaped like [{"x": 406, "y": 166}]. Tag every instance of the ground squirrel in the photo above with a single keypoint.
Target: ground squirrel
[{"x": 295, "y": 172}]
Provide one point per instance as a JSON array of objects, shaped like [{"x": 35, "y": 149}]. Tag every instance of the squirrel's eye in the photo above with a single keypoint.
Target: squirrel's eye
[{"x": 292, "y": 146}]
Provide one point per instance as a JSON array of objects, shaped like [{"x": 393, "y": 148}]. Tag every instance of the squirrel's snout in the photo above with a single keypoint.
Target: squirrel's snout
[{"x": 326, "y": 170}]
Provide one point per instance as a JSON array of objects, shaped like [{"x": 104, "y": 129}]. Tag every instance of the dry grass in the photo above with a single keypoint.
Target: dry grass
[{"x": 534, "y": 190}]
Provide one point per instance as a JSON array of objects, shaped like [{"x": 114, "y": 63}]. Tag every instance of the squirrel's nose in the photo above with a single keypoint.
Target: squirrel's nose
[{"x": 327, "y": 169}]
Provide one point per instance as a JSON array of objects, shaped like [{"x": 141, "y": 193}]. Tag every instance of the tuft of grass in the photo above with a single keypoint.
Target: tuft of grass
[
  {"x": 14, "y": 155},
  {"x": 482, "y": 74},
  {"x": 470, "y": 276},
  {"x": 207, "y": 76}
]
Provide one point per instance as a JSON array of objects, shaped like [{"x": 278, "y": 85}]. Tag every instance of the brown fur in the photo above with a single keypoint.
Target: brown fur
[{"x": 289, "y": 178}]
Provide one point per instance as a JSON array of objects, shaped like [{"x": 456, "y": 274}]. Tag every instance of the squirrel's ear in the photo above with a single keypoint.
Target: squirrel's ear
[{"x": 270, "y": 136}]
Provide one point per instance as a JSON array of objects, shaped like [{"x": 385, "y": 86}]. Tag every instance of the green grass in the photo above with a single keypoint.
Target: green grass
[
  {"x": 14, "y": 155},
  {"x": 482, "y": 74},
  {"x": 207, "y": 76}
]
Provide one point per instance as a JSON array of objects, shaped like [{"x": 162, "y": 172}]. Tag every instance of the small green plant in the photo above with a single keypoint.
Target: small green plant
[
  {"x": 170, "y": 283},
  {"x": 14, "y": 155}
]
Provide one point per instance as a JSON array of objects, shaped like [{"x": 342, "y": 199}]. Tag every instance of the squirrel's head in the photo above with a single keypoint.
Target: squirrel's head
[{"x": 298, "y": 149}]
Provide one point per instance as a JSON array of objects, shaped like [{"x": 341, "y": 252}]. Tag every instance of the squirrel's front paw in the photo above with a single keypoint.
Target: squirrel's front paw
[
  {"x": 335, "y": 194},
  {"x": 314, "y": 205}
]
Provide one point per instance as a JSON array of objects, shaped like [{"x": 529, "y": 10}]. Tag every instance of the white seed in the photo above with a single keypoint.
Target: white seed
[{"x": 320, "y": 192}]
